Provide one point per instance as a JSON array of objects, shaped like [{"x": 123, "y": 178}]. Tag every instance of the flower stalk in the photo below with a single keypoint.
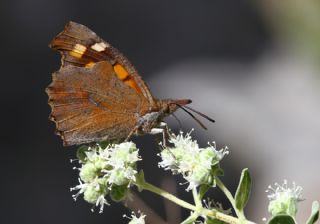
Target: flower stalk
[
  {"x": 198, "y": 209},
  {"x": 228, "y": 194},
  {"x": 147, "y": 186}
]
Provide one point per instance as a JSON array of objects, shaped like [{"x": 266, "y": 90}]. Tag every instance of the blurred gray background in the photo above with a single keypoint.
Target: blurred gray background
[{"x": 252, "y": 66}]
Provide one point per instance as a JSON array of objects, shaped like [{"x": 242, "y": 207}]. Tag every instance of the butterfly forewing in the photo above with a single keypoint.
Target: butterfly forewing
[{"x": 81, "y": 47}]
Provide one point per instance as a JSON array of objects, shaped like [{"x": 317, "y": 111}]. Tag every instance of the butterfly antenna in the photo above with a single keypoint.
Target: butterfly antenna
[
  {"x": 201, "y": 114},
  {"x": 196, "y": 119}
]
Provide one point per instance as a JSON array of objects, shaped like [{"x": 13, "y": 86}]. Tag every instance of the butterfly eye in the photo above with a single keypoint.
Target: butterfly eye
[{"x": 172, "y": 108}]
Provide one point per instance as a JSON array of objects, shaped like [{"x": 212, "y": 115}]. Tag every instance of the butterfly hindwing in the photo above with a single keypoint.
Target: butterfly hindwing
[{"x": 90, "y": 105}]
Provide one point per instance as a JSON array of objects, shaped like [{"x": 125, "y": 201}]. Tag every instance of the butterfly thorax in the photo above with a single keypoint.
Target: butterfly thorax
[{"x": 155, "y": 116}]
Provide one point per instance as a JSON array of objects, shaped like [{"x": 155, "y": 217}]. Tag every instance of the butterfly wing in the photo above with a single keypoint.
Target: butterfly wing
[
  {"x": 93, "y": 104},
  {"x": 81, "y": 47}
]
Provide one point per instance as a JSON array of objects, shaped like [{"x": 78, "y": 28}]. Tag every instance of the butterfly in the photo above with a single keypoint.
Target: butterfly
[{"x": 98, "y": 95}]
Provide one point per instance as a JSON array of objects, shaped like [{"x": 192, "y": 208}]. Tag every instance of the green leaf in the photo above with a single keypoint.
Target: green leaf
[
  {"x": 81, "y": 153},
  {"x": 119, "y": 193},
  {"x": 216, "y": 170},
  {"x": 203, "y": 189},
  {"x": 281, "y": 219},
  {"x": 314, "y": 213},
  {"x": 106, "y": 143},
  {"x": 243, "y": 191}
]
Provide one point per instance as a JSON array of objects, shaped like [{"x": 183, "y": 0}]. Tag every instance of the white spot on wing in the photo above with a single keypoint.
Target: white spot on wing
[
  {"x": 99, "y": 46},
  {"x": 78, "y": 50}
]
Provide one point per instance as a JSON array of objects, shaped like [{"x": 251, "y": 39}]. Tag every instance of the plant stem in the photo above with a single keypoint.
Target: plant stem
[
  {"x": 167, "y": 195},
  {"x": 226, "y": 218},
  {"x": 196, "y": 198},
  {"x": 199, "y": 210},
  {"x": 230, "y": 198}
]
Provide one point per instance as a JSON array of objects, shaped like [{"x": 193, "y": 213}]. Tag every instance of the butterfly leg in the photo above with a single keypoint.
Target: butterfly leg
[
  {"x": 132, "y": 132},
  {"x": 156, "y": 131},
  {"x": 166, "y": 133},
  {"x": 162, "y": 129}
]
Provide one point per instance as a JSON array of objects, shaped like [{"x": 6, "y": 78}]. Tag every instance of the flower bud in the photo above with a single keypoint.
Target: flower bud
[
  {"x": 95, "y": 190},
  {"x": 88, "y": 172},
  {"x": 284, "y": 200}
]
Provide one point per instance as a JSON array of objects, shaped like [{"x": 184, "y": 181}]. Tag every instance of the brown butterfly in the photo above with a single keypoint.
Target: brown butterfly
[{"x": 98, "y": 95}]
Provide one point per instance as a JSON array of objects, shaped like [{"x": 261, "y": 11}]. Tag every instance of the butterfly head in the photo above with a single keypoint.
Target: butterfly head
[{"x": 170, "y": 106}]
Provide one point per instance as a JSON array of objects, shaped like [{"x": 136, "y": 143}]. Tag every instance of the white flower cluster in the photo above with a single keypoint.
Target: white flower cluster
[
  {"x": 134, "y": 219},
  {"x": 109, "y": 170},
  {"x": 284, "y": 200},
  {"x": 197, "y": 165}
]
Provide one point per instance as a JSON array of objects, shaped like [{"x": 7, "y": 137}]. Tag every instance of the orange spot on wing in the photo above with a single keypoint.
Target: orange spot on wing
[
  {"x": 89, "y": 65},
  {"x": 75, "y": 54},
  {"x": 133, "y": 84},
  {"x": 120, "y": 71},
  {"x": 124, "y": 76}
]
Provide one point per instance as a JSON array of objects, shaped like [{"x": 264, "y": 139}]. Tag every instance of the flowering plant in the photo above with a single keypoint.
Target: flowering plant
[{"x": 111, "y": 170}]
